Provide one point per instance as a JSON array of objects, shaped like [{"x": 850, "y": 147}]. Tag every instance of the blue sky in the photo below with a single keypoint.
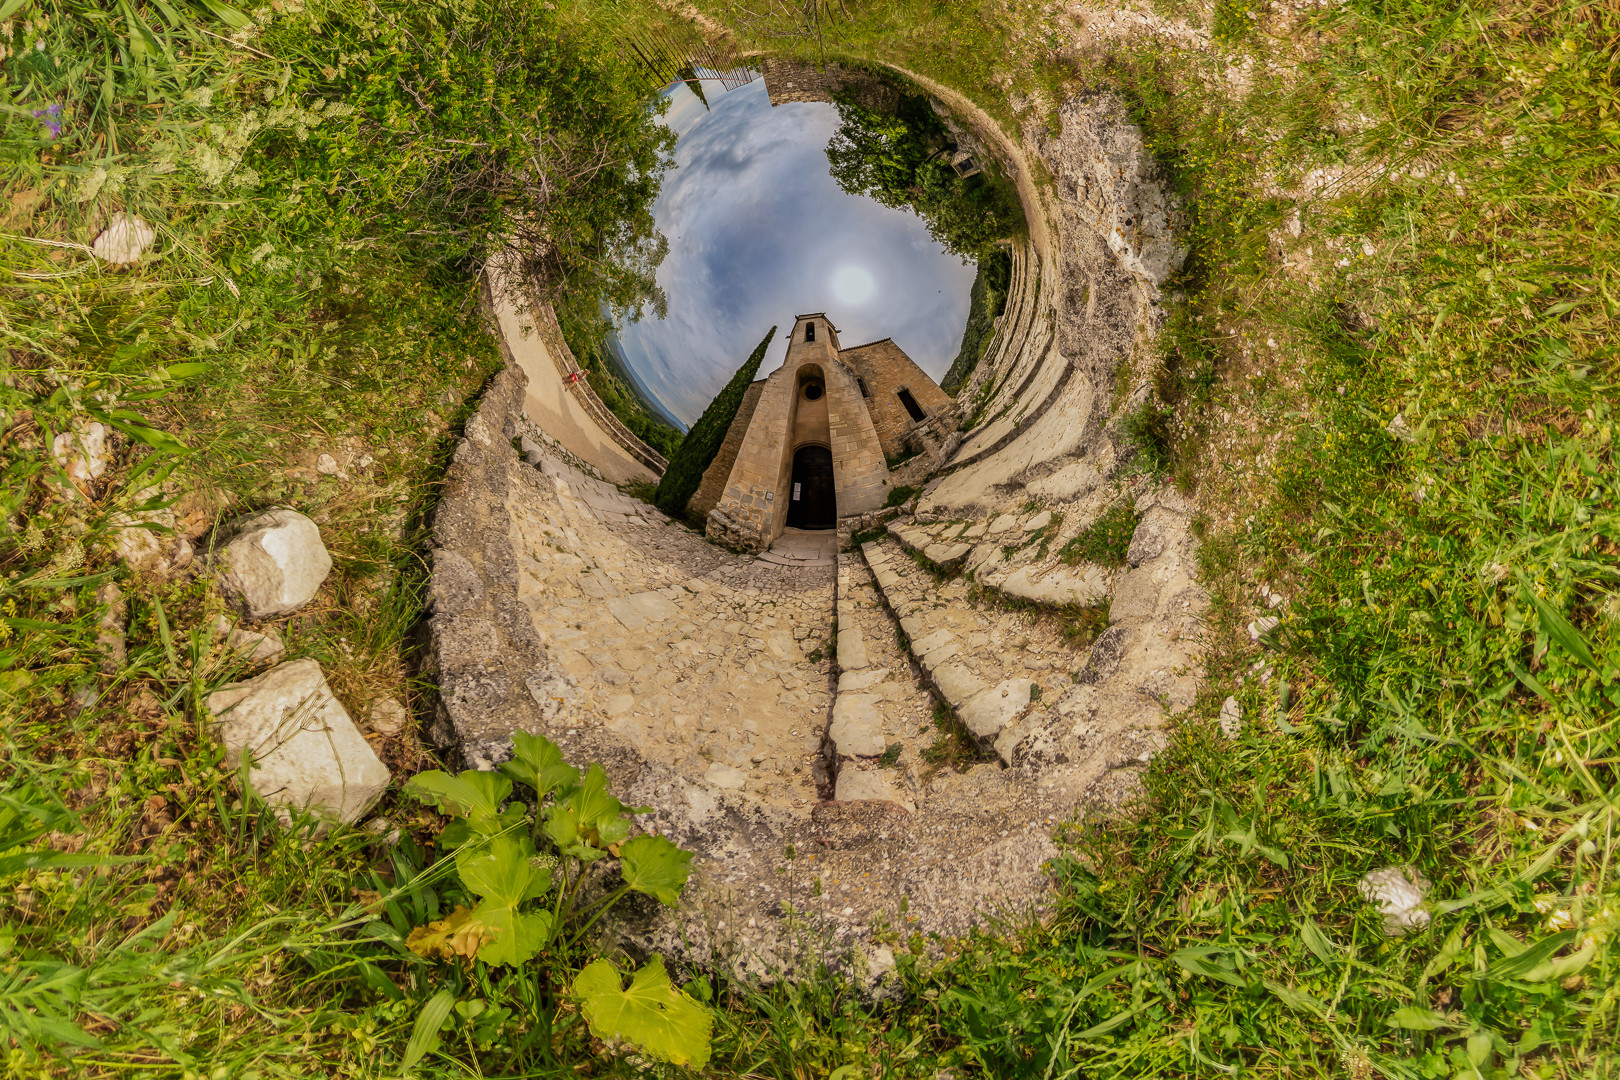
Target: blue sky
[{"x": 759, "y": 232}]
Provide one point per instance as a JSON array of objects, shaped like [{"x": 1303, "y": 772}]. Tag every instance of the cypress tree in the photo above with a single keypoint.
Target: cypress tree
[{"x": 702, "y": 443}]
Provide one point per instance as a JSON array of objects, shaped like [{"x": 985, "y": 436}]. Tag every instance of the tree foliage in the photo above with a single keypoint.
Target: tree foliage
[
  {"x": 987, "y": 300},
  {"x": 702, "y": 443},
  {"x": 904, "y": 161}
]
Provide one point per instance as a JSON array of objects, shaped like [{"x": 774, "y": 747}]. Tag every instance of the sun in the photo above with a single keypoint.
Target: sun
[{"x": 853, "y": 284}]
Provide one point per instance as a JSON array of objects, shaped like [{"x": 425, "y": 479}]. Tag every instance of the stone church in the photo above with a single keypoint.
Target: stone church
[{"x": 816, "y": 439}]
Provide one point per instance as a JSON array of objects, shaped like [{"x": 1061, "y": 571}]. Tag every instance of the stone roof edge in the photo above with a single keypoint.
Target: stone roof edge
[{"x": 879, "y": 341}]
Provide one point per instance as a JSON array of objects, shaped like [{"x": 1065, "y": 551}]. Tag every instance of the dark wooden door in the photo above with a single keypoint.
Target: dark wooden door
[{"x": 811, "y": 502}]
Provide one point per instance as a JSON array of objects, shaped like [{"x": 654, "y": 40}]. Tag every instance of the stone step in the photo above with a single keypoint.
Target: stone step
[
  {"x": 880, "y": 707},
  {"x": 1108, "y": 713}
]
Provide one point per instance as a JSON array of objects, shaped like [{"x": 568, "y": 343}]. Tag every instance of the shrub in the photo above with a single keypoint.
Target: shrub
[
  {"x": 1106, "y": 540},
  {"x": 702, "y": 443}
]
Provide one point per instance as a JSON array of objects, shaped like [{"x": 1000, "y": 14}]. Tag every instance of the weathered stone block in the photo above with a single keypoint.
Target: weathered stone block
[
  {"x": 857, "y": 726},
  {"x": 306, "y": 751},
  {"x": 988, "y": 711}
]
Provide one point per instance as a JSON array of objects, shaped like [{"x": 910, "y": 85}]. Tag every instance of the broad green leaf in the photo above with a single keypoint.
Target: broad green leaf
[
  {"x": 463, "y": 831},
  {"x": 1507, "y": 943},
  {"x": 1415, "y": 1018},
  {"x": 473, "y": 794},
  {"x": 655, "y": 866},
  {"x": 1561, "y": 630},
  {"x": 1519, "y": 966},
  {"x": 425, "y": 1033},
  {"x": 538, "y": 762},
  {"x": 585, "y": 820},
  {"x": 1296, "y": 999},
  {"x": 1321, "y": 946},
  {"x": 1107, "y": 1025},
  {"x": 1562, "y": 966},
  {"x": 186, "y": 371},
  {"x": 652, "y": 1013},
  {"x": 1196, "y": 961},
  {"x": 504, "y": 877}
]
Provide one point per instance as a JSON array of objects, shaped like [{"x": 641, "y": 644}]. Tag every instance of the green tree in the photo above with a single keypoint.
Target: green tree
[
  {"x": 903, "y": 161},
  {"x": 702, "y": 443}
]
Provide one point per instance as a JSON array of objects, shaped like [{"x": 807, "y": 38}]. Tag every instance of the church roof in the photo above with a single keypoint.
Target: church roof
[{"x": 853, "y": 348}]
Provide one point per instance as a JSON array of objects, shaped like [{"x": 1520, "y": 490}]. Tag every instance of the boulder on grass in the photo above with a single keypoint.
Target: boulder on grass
[
  {"x": 275, "y": 563},
  {"x": 307, "y": 753}
]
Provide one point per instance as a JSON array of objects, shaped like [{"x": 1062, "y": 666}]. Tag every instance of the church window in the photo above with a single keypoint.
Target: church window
[
  {"x": 911, "y": 405},
  {"x": 860, "y": 382},
  {"x": 810, "y": 331}
]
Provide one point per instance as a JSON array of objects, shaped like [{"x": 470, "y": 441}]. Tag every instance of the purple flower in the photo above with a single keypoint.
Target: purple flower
[{"x": 52, "y": 117}]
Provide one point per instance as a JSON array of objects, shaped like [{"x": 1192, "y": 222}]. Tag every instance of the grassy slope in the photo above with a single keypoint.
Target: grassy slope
[
  {"x": 1442, "y": 686},
  {"x": 1434, "y": 714}
]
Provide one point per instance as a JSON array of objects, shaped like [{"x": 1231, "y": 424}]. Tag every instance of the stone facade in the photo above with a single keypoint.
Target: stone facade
[
  {"x": 885, "y": 370},
  {"x": 824, "y": 396},
  {"x": 715, "y": 476},
  {"x": 793, "y": 80}
]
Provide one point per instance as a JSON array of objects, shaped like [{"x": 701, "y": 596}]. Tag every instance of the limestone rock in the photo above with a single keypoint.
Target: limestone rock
[
  {"x": 386, "y": 716},
  {"x": 148, "y": 550},
  {"x": 275, "y": 563},
  {"x": 1263, "y": 626},
  {"x": 125, "y": 239},
  {"x": 727, "y": 777},
  {"x": 1398, "y": 891},
  {"x": 1084, "y": 585},
  {"x": 856, "y": 785},
  {"x": 456, "y": 586},
  {"x": 258, "y": 646},
  {"x": 1039, "y": 521},
  {"x": 1231, "y": 718},
  {"x": 82, "y": 452},
  {"x": 857, "y": 726},
  {"x": 326, "y": 465},
  {"x": 307, "y": 753},
  {"x": 988, "y": 711}
]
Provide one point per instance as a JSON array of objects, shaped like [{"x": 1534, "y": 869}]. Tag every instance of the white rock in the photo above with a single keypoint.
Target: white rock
[
  {"x": 386, "y": 831},
  {"x": 1263, "y": 626},
  {"x": 859, "y": 785},
  {"x": 1231, "y": 718},
  {"x": 125, "y": 239},
  {"x": 326, "y": 465},
  {"x": 275, "y": 563},
  {"x": 81, "y": 451},
  {"x": 987, "y": 712},
  {"x": 725, "y": 776},
  {"x": 857, "y": 726},
  {"x": 259, "y": 646},
  {"x": 1398, "y": 891},
  {"x": 307, "y": 753},
  {"x": 386, "y": 716},
  {"x": 1039, "y": 521}
]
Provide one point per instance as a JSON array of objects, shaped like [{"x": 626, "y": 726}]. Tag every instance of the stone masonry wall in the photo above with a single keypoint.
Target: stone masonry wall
[
  {"x": 793, "y": 80},
  {"x": 707, "y": 496},
  {"x": 887, "y": 370}
]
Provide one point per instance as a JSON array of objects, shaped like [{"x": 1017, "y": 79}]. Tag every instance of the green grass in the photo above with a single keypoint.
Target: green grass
[
  {"x": 1449, "y": 647},
  {"x": 1106, "y": 540},
  {"x": 902, "y": 494}
]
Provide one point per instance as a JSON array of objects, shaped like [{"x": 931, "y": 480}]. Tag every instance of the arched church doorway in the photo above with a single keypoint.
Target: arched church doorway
[{"x": 811, "y": 503}]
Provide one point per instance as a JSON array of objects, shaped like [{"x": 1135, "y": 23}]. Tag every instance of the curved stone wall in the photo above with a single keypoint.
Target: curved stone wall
[{"x": 885, "y": 733}]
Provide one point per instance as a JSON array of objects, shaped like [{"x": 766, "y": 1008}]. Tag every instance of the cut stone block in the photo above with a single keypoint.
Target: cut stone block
[
  {"x": 860, "y": 680},
  {"x": 307, "y": 753},
  {"x": 988, "y": 711},
  {"x": 857, "y": 726},
  {"x": 871, "y": 784},
  {"x": 947, "y": 557},
  {"x": 1080, "y": 585},
  {"x": 275, "y": 563},
  {"x": 852, "y": 649},
  {"x": 957, "y": 683}
]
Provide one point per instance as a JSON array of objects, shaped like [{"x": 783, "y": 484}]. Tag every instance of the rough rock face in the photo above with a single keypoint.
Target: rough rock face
[
  {"x": 307, "y": 753},
  {"x": 275, "y": 563}
]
